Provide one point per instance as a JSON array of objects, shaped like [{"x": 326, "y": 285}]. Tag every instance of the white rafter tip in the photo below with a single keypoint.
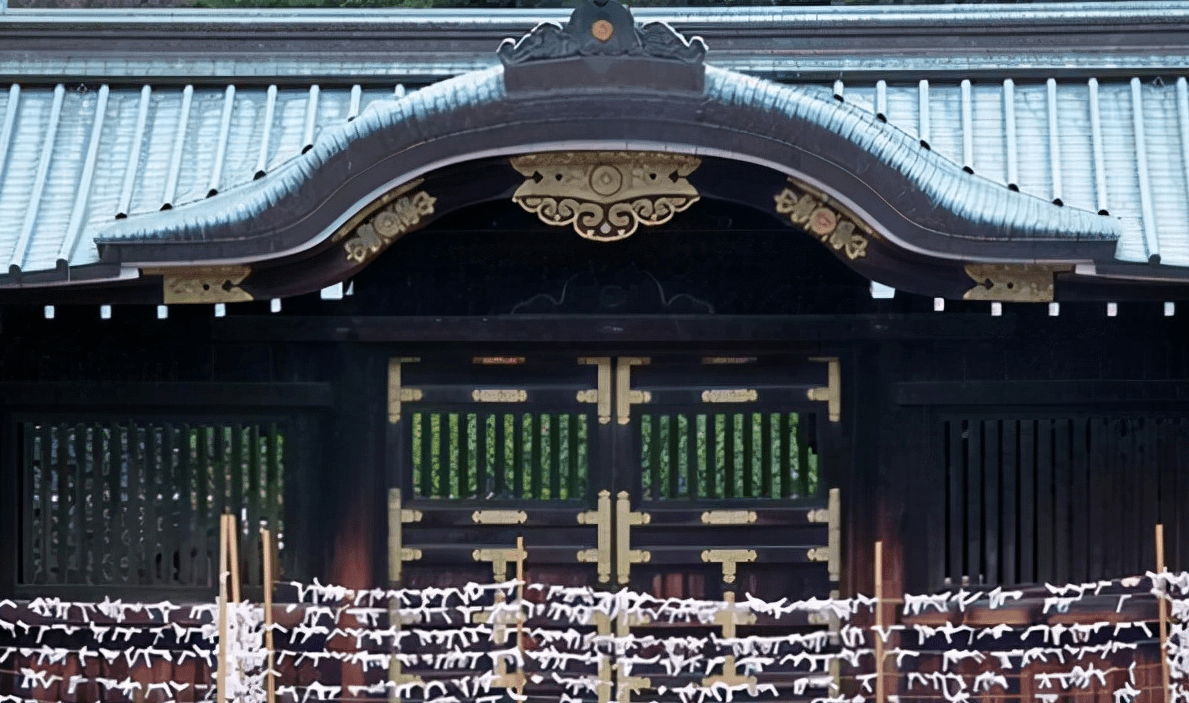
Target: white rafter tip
[
  {"x": 1170, "y": 309},
  {"x": 274, "y": 305},
  {"x": 881, "y": 292},
  {"x": 162, "y": 312},
  {"x": 1112, "y": 309},
  {"x": 1054, "y": 309},
  {"x": 996, "y": 309},
  {"x": 220, "y": 310},
  {"x": 48, "y": 311},
  {"x": 334, "y": 292},
  {"x": 105, "y": 312},
  {"x": 938, "y": 304}
]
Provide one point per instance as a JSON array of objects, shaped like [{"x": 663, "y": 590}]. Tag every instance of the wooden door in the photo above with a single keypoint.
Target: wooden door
[
  {"x": 489, "y": 449},
  {"x": 724, "y": 476}
]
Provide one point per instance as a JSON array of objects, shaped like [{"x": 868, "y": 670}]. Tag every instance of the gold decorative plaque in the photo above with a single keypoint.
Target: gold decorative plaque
[
  {"x": 211, "y": 284},
  {"x": 388, "y": 225},
  {"x": 605, "y": 195},
  {"x": 835, "y": 227}
]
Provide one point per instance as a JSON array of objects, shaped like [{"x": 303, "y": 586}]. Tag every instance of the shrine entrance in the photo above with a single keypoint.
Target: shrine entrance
[{"x": 674, "y": 474}]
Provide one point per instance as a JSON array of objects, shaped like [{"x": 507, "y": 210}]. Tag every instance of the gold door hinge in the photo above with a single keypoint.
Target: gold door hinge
[
  {"x": 831, "y": 393},
  {"x": 625, "y": 397},
  {"x": 730, "y": 395},
  {"x": 728, "y": 517},
  {"x": 601, "y": 555},
  {"x": 602, "y": 394},
  {"x": 499, "y": 517},
  {"x": 499, "y": 395},
  {"x": 729, "y": 559},
  {"x": 819, "y": 515},
  {"x": 397, "y": 394},
  {"x": 499, "y": 559},
  {"x": 398, "y": 553},
  {"x": 818, "y": 554},
  {"x": 625, "y": 556}
]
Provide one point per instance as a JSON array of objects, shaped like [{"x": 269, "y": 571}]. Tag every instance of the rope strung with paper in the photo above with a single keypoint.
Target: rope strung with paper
[{"x": 482, "y": 644}]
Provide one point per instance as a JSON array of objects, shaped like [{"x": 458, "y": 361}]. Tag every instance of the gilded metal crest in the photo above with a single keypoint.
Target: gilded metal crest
[
  {"x": 388, "y": 225},
  {"x": 835, "y": 227},
  {"x": 605, "y": 195}
]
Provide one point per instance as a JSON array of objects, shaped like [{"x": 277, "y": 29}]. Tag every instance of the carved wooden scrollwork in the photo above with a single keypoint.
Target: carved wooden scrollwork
[
  {"x": 835, "y": 227},
  {"x": 605, "y": 195},
  {"x": 387, "y": 225}
]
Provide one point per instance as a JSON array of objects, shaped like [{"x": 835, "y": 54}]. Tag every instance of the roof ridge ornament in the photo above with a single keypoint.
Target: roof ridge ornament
[{"x": 601, "y": 28}]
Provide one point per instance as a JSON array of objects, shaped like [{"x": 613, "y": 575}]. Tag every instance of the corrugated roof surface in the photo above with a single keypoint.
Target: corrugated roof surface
[
  {"x": 73, "y": 162},
  {"x": 1114, "y": 146}
]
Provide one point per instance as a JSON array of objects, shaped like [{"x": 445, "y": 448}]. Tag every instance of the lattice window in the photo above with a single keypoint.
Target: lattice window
[
  {"x": 728, "y": 455},
  {"x": 527, "y": 456},
  {"x": 1063, "y": 499},
  {"x": 137, "y": 502}
]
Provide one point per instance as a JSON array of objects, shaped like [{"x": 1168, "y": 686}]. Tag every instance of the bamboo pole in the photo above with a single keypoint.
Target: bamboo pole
[
  {"x": 221, "y": 682},
  {"x": 880, "y": 692},
  {"x": 233, "y": 555},
  {"x": 269, "y": 675},
  {"x": 520, "y": 604},
  {"x": 1163, "y": 606}
]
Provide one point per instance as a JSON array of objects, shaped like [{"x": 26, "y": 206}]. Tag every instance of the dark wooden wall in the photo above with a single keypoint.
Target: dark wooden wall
[{"x": 492, "y": 280}]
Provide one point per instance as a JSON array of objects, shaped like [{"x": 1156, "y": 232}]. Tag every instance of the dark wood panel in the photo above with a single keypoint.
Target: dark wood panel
[
  {"x": 1010, "y": 394},
  {"x": 172, "y": 394}
]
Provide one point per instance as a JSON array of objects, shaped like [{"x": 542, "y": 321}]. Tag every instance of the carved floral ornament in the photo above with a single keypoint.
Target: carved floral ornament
[
  {"x": 605, "y": 195},
  {"x": 835, "y": 227},
  {"x": 387, "y": 225}
]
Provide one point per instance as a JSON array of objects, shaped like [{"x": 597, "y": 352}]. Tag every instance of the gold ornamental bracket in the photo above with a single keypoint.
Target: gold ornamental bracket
[
  {"x": 398, "y": 394},
  {"x": 601, "y": 555},
  {"x": 398, "y": 553},
  {"x": 1013, "y": 283},
  {"x": 601, "y": 395},
  {"x": 389, "y": 223},
  {"x": 829, "y": 222},
  {"x": 831, "y": 393},
  {"x": 625, "y": 556},
  {"x": 209, "y": 284},
  {"x": 605, "y": 195},
  {"x": 625, "y": 397},
  {"x": 729, "y": 559}
]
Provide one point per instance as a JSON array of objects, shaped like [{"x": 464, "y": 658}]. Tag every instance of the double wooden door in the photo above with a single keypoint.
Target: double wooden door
[{"x": 674, "y": 475}]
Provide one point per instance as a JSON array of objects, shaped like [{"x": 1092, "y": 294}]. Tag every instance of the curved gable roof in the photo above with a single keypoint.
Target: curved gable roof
[{"x": 95, "y": 183}]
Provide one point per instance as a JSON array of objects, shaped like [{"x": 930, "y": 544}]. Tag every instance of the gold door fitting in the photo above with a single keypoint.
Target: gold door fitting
[
  {"x": 602, "y": 394},
  {"x": 499, "y": 559},
  {"x": 625, "y": 556},
  {"x": 601, "y": 555},
  {"x": 831, "y": 393},
  {"x": 730, "y": 395},
  {"x": 499, "y": 395},
  {"x": 625, "y": 397},
  {"x": 834, "y": 539},
  {"x": 729, "y": 559},
  {"x": 728, "y": 517},
  {"x": 499, "y": 517},
  {"x": 398, "y": 394},
  {"x": 398, "y": 553},
  {"x": 728, "y": 617}
]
